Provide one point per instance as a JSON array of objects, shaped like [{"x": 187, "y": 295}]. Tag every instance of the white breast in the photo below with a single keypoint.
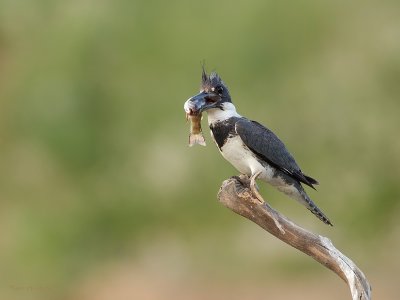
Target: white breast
[
  {"x": 237, "y": 153},
  {"x": 244, "y": 160}
]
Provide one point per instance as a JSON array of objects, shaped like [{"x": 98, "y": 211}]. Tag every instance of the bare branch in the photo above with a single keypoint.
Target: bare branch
[{"x": 235, "y": 193}]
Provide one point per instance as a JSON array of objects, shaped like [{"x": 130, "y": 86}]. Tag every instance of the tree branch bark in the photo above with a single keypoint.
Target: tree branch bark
[{"x": 236, "y": 194}]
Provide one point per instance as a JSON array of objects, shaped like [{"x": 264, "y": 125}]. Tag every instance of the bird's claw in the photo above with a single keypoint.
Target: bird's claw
[
  {"x": 271, "y": 213},
  {"x": 254, "y": 187}
]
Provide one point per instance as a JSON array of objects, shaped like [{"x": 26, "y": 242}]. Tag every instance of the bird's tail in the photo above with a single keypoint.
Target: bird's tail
[{"x": 307, "y": 202}]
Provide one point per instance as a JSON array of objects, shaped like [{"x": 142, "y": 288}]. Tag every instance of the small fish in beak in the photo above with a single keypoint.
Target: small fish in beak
[{"x": 196, "y": 135}]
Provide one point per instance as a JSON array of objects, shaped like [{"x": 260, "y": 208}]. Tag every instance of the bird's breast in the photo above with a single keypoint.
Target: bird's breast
[
  {"x": 243, "y": 159},
  {"x": 222, "y": 130}
]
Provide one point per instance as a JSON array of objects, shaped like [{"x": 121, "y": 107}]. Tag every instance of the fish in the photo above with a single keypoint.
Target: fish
[{"x": 195, "y": 135}]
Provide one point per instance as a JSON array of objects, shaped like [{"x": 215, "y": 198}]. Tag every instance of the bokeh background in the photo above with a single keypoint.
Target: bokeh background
[{"x": 100, "y": 196}]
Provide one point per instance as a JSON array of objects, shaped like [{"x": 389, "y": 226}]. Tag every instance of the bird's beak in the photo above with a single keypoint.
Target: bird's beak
[{"x": 201, "y": 102}]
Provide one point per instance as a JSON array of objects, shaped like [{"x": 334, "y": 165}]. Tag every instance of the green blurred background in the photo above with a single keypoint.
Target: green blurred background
[{"x": 100, "y": 196}]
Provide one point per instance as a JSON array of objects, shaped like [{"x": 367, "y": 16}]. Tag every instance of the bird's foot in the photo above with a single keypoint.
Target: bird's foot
[
  {"x": 270, "y": 211},
  {"x": 254, "y": 187}
]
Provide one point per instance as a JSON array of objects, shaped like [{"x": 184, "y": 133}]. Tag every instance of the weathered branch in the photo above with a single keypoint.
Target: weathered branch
[{"x": 235, "y": 193}]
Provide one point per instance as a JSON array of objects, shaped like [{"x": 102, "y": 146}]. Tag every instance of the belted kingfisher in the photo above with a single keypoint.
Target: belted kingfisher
[{"x": 251, "y": 148}]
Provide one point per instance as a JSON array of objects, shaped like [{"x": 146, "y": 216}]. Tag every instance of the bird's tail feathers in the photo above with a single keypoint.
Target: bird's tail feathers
[{"x": 314, "y": 208}]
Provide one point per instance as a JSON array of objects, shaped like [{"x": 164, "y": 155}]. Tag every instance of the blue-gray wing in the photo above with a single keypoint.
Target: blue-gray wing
[{"x": 269, "y": 148}]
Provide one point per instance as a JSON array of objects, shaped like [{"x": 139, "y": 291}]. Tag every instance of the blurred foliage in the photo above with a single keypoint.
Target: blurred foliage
[{"x": 94, "y": 162}]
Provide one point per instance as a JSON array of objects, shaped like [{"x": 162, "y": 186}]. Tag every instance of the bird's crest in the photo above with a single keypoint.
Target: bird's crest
[{"x": 210, "y": 81}]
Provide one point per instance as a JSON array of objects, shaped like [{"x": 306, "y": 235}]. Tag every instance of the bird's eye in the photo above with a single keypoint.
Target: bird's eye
[{"x": 219, "y": 89}]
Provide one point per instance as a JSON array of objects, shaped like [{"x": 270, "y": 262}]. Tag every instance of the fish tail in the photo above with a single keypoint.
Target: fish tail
[{"x": 196, "y": 139}]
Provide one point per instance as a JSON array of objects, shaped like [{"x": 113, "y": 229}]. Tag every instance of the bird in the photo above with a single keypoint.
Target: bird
[{"x": 253, "y": 149}]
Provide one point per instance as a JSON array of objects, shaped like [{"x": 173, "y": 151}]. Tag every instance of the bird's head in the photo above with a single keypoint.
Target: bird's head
[{"x": 213, "y": 94}]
